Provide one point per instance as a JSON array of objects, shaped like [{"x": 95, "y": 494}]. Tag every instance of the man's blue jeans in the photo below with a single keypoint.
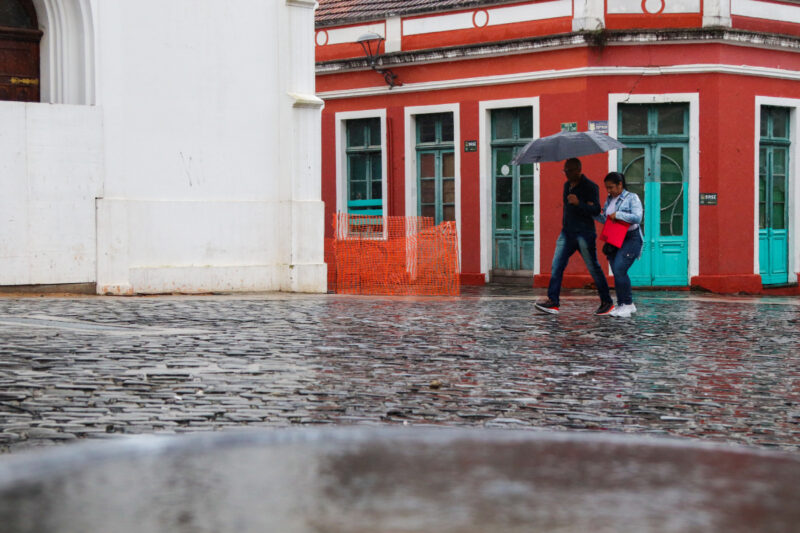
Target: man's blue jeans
[
  {"x": 568, "y": 244},
  {"x": 621, "y": 261}
]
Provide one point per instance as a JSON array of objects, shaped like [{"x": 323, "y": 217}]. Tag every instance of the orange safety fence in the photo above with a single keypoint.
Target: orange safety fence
[{"x": 392, "y": 255}]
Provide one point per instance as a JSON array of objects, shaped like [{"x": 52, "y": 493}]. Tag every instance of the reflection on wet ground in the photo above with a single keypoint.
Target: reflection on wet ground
[{"x": 687, "y": 364}]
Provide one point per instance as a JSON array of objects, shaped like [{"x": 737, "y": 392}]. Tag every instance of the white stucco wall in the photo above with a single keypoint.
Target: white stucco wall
[
  {"x": 51, "y": 165},
  {"x": 197, "y": 131},
  {"x": 201, "y": 189}
]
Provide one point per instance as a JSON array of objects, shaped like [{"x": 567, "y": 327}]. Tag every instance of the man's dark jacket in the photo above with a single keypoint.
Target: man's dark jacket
[{"x": 578, "y": 218}]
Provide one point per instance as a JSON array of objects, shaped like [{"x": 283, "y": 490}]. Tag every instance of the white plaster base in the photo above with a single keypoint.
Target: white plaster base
[
  {"x": 308, "y": 277},
  {"x": 51, "y": 162},
  {"x": 210, "y": 278},
  {"x": 200, "y": 246}
]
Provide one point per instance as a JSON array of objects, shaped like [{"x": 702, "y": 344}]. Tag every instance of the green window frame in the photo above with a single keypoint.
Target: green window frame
[
  {"x": 774, "y": 146},
  {"x": 667, "y": 125},
  {"x": 364, "y": 167},
  {"x": 436, "y": 177},
  {"x": 512, "y": 129}
]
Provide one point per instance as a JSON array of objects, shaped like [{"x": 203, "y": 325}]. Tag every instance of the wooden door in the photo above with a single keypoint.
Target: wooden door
[{"x": 19, "y": 51}]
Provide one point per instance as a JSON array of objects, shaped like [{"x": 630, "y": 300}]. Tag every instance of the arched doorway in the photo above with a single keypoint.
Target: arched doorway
[{"x": 19, "y": 51}]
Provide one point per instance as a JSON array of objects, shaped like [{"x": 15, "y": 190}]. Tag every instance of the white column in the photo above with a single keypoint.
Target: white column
[
  {"x": 301, "y": 142},
  {"x": 589, "y": 15}
]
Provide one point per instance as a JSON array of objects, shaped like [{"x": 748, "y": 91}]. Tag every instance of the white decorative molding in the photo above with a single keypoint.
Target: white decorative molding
[
  {"x": 411, "y": 198},
  {"x": 67, "y": 51},
  {"x": 341, "y": 156},
  {"x": 308, "y": 4},
  {"x": 766, "y": 10},
  {"x": 306, "y": 100},
  {"x": 702, "y": 68},
  {"x": 485, "y": 108},
  {"x": 793, "y": 180},
  {"x": 693, "y": 99},
  {"x": 487, "y": 17}
]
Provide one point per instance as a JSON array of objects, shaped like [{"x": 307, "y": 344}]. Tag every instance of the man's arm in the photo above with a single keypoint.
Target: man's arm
[{"x": 591, "y": 205}]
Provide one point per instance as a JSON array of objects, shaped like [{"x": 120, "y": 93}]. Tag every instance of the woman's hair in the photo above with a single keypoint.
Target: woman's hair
[{"x": 616, "y": 178}]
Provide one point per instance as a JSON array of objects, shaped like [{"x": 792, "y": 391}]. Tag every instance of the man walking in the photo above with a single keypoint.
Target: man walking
[{"x": 581, "y": 203}]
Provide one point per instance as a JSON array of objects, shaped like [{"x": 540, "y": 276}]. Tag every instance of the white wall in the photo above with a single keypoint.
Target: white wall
[
  {"x": 51, "y": 165},
  {"x": 198, "y": 126},
  {"x": 197, "y": 133}
]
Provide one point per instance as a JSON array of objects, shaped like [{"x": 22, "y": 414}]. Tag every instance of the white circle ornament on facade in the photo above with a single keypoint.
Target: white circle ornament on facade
[
  {"x": 653, "y": 7},
  {"x": 505, "y": 169},
  {"x": 480, "y": 19},
  {"x": 322, "y": 38}
]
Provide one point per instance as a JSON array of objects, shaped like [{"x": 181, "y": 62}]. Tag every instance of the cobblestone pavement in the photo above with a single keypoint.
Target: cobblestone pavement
[{"x": 688, "y": 364}]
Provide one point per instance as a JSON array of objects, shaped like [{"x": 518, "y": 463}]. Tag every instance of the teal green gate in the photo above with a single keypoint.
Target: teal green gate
[
  {"x": 512, "y": 191},
  {"x": 655, "y": 164},
  {"x": 773, "y": 162}
]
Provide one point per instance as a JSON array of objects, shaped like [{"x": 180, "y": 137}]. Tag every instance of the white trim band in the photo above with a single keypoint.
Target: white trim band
[
  {"x": 702, "y": 68},
  {"x": 766, "y": 10}
]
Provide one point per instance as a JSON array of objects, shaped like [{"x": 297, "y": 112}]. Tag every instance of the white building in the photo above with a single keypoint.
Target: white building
[{"x": 175, "y": 147}]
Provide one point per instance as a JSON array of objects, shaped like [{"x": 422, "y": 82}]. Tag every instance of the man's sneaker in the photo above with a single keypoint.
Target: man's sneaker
[
  {"x": 547, "y": 306},
  {"x": 605, "y": 308},
  {"x": 632, "y": 307}
]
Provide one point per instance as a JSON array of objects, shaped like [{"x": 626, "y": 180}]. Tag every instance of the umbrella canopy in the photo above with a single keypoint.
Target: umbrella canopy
[{"x": 565, "y": 145}]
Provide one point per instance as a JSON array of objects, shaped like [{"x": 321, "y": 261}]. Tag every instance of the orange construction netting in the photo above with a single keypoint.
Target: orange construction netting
[{"x": 392, "y": 255}]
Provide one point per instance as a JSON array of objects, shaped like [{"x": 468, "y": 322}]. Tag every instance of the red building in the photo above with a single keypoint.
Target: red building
[{"x": 704, "y": 93}]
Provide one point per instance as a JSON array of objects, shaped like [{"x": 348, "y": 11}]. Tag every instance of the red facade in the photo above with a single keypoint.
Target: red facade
[{"x": 732, "y": 197}]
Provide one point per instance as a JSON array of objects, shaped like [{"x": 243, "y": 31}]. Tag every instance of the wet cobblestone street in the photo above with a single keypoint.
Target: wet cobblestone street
[{"x": 688, "y": 364}]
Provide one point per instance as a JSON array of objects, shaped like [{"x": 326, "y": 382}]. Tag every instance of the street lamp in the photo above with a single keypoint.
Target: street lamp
[{"x": 371, "y": 44}]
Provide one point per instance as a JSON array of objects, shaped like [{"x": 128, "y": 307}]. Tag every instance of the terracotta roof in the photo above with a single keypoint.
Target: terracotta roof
[{"x": 332, "y": 12}]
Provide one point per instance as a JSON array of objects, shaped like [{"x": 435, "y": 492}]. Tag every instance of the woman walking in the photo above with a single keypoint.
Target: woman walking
[{"x": 624, "y": 206}]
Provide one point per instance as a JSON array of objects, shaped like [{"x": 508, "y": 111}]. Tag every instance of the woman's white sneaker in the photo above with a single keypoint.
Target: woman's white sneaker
[{"x": 623, "y": 311}]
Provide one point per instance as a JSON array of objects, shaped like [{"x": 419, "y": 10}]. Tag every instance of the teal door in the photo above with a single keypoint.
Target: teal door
[
  {"x": 512, "y": 191},
  {"x": 773, "y": 162},
  {"x": 655, "y": 165}
]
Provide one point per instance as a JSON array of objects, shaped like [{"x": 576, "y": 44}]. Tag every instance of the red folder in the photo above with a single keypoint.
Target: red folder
[{"x": 614, "y": 232}]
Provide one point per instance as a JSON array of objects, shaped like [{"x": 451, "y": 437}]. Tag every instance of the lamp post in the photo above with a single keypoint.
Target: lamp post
[{"x": 371, "y": 44}]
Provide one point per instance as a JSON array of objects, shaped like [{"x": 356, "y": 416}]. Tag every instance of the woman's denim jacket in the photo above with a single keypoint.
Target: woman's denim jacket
[{"x": 629, "y": 209}]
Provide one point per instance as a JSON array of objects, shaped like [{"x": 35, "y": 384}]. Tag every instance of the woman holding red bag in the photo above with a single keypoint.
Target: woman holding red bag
[{"x": 625, "y": 206}]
